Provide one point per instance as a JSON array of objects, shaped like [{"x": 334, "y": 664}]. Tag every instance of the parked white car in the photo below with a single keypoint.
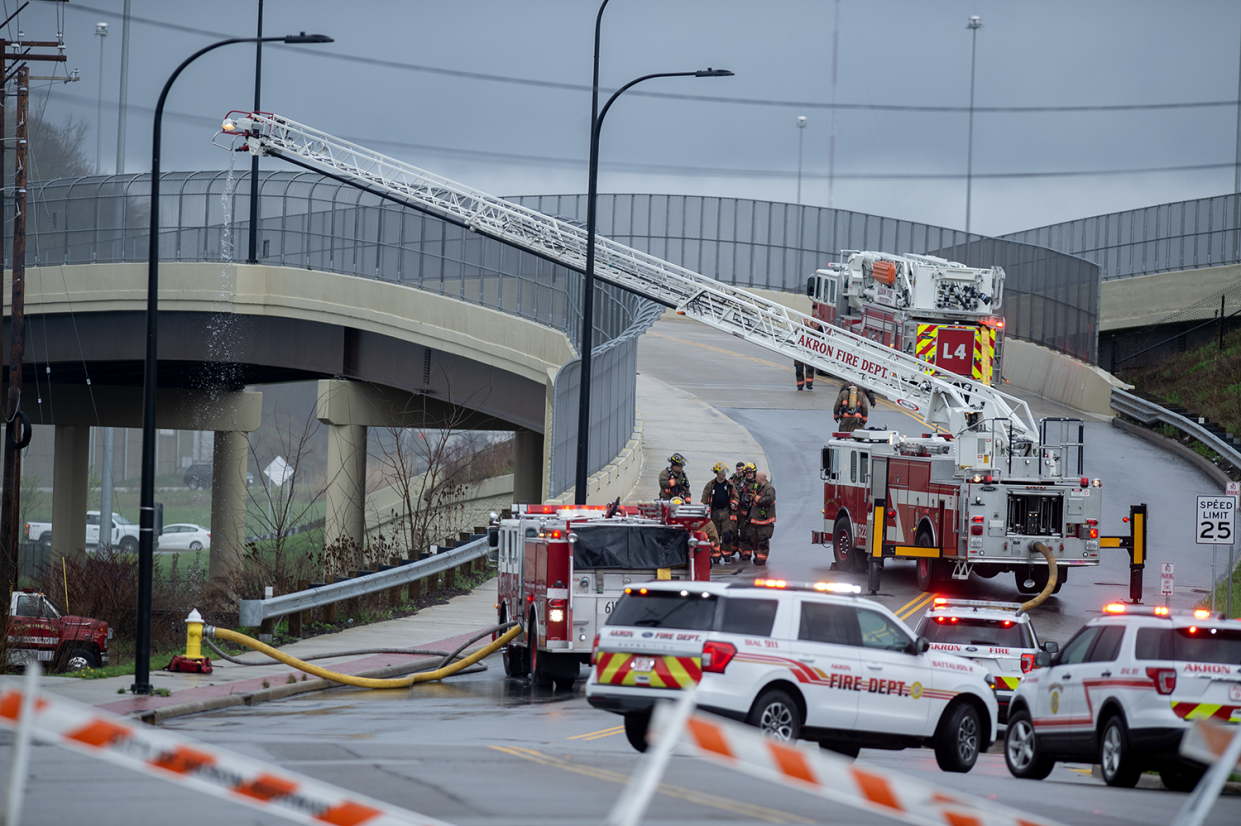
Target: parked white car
[{"x": 185, "y": 537}]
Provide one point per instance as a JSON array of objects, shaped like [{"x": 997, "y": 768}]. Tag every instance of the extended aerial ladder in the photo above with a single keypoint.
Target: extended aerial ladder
[{"x": 945, "y": 399}]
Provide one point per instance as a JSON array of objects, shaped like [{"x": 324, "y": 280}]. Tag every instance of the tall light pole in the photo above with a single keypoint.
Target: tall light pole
[
  {"x": 974, "y": 25},
  {"x": 101, "y": 31},
  {"x": 801, "y": 128},
  {"x": 253, "y": 256},
  {"x": 588, "y": 277},
  {"x": 122, "y": 100},
  {"x": 146, "y": 502}
]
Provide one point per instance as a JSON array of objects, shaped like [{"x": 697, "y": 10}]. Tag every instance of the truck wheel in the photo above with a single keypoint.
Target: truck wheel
[
  {"x": 925, "y": 565},
  {"x": 46, "y": 541},
  {"x": 959, "y": 738},
  {"x": 1115, "y": 760},
  {"x": 1181, "y": 777},
  {"x": 538, "y": 675},
  {"x": 1019, "y": 576},
  {"x": 129, "y": 545},
  {"x": 80, "y": 659},
  {"x": 636, "y": 723},
  {"x": 1021, "y": 751},
  {"x": 565, "y": 683},
  {"x": 515, "y": 662},
  {"x": 776, "y": 715},
  {"x": 842, "y": 545}
]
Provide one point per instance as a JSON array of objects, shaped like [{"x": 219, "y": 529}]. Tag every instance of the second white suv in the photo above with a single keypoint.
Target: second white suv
[
  {"x": 1123, "y": 691},
  {"x": 806, "y": 662}
]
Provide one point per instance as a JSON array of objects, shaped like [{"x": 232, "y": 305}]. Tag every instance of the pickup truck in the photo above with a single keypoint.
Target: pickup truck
[
  {"x": 38, "y": 631},
  {"x": 124, "y": 532}
]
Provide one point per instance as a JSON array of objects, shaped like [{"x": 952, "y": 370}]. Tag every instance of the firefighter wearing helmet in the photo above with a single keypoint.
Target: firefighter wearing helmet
[
  {"x": 672, "y": 481},
  {"x": 746, "y": 495},
  {"x": 852, "y": 408},
  {"x": 762, "y": 519},
  {"x": 720, "y": 497}
]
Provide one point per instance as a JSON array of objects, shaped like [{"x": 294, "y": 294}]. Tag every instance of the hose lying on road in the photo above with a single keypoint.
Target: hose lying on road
[
  {"x": 1042, "y": 548},
  {"x": 370, "y": 682},
  {"x": 356, "y": 652}
]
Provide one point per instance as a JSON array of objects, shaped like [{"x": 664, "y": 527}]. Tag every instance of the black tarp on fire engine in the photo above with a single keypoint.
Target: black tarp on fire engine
[{"x": 620, "y": 546}]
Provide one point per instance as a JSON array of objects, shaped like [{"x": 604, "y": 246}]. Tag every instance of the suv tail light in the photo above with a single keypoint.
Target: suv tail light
[
  {"x": 1165, "y": 679},
  {"x": 716, "y": 656},
  {"x": 1027, "y": 663},
  {"x": 594, "y": 651}
]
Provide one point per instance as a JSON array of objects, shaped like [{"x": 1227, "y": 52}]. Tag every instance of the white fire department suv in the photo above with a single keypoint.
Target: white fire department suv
[
  {"x": 1123, "y": 691},
  {"x": 996, "y": 635},
  {"x": 799, "y": 661}
]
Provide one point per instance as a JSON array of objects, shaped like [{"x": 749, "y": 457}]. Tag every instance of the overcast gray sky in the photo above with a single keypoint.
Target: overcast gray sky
[{"x": 495, "y": 94}]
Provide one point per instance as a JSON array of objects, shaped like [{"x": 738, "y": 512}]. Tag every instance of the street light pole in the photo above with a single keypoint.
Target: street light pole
[
  {"x": 801, "y": 129},
  {"x": 974, "y": 25},
  {"x": 588, "y": 276},
  {"x": 146, "y": 504},
  {"x": 101, "y": 31},
  {"x": 253, "y": 257}
]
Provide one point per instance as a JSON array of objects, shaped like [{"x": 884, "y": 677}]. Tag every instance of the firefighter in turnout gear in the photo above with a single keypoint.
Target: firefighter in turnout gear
[
  {"x": 720, "y": 497},
  {"x": 746, "y": 494},
  {"x": 806, "y": 372},
  {"x": 739, "y": 477},
  {"x": 851, "y": 409},
  {"x": 762, "y": 519},
  {"x": 672, "y": 481}
]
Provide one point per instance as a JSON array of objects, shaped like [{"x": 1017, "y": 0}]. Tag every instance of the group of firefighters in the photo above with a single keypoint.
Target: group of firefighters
[{"x": 742, "y": 508}]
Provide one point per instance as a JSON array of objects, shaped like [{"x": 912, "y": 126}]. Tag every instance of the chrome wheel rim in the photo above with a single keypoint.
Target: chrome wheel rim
[
  {"x": 1020, "y": 745},
  {"x": 777, "y": 721},
  {"x": 967, "y": 738},
  {"x": 1111, "y": 751},
  {"x": 78, "y": 663}
]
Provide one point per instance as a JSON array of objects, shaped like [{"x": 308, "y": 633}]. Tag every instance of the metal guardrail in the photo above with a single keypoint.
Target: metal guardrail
[
  {"x": 1148, "y": 412},
  {"x": 253, "y": 612}
]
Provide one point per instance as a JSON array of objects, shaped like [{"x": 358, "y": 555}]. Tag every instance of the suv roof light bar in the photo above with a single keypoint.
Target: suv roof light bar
[
  {"x": 949, "y": 602},
  {"x": 1160, "y": 611},
  {"x": 821, "y": 587}
]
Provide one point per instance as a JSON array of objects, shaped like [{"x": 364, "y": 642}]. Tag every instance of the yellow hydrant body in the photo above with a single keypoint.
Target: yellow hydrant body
[{"x": 194, "y": 636}]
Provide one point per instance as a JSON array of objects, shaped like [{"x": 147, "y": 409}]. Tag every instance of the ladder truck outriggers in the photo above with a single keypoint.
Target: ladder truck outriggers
[
  {"x": 979, "y": 498},
  {"x": 945, "y": 313},
  {"x": 563, "y": 567}
]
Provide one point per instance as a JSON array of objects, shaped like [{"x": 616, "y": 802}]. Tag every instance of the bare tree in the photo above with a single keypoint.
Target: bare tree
[{"x": 57, "y": 150}]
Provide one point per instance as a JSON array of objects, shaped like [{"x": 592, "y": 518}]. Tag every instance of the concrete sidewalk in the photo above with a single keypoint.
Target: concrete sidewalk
[{"x": 440, "y": 627}]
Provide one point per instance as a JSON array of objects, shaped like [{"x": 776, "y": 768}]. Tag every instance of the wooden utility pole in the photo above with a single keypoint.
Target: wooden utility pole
[{"x": 17, "y": 429}]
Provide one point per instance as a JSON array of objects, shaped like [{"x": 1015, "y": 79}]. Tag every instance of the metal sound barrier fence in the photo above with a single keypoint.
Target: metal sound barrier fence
[{"x": 1051, "y": 297}]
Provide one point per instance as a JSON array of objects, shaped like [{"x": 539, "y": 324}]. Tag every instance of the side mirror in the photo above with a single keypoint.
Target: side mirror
[
  {"x": 1051, "y": 646},
  {"x": 921, "y": 645},
  {"x": 493, "y": 538},
  {"x": 1042, "y": 659},
  {"x": 810, "y": 286}
]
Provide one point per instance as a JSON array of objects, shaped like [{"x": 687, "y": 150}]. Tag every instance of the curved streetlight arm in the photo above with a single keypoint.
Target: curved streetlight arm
[{"x": 146, "y": 501}]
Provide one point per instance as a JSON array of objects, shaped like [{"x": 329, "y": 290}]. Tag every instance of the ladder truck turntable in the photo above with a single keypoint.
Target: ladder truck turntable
[{"x": 973, "y": 499}]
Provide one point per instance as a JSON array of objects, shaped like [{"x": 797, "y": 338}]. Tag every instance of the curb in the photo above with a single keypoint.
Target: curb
[
  {"x": 1176, "y": 447},
  {"x": 251, "y": 698}
]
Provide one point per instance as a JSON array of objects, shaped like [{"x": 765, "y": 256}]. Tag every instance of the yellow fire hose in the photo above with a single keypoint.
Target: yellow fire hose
[
  {"x": 1051, "y": 578},
  {"x": 349, "y": 679}
]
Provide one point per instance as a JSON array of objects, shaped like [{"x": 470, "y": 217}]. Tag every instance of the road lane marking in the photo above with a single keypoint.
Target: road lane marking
[
  {"x": 594, "y": 734},
  {"x": 710, "y": 800},
  {"x": 916, "y": 605}
]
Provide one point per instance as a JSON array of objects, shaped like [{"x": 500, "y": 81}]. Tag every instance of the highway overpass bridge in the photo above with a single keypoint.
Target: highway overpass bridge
[{"x": 408, "y": 320}]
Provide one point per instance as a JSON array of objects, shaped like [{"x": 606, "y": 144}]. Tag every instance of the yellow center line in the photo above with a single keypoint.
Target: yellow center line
[
  {"x": 918, "y": 605},
  {"x": 601, "y": 733},
  {"x": 711, "y": 800}
]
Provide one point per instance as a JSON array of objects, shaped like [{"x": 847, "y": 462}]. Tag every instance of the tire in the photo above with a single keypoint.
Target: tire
[
  {"x": 515, "y": 662},
  {"x": 1040, "y": 579},
  {"x": 777, "y": 715},
  {"x": 849, "y": 750},
  {"x": 1117, "y": 763},
  {"x": 80, "y": 659},
  {"x": 1021, "y": 751},
  {"x": 538, "y": 676},
  {"x": 196, "y": 546},
  {"x": 636, "y": 723},
  {"x": 924, "y": 566},
  {"x": 959, "y": 738},
  {"x": 1019, "y": 577},
  {"x": 129, "y": 545},
  {"x": 565, "y": 683},
  {"x": 842, "y": 546},
  {"x": 1181, "y": 777},
  {"x": 987, "y": 571},
  {"x": 46, "y": 541}
]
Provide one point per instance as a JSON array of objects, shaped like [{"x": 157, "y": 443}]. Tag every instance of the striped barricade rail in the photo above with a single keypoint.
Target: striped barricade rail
[{"x": 207, "y": 769}]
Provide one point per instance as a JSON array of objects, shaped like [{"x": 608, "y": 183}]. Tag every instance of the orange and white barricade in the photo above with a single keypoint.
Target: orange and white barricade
[
  {"x": 1218, "y": 746},
  {"x": 819, "y": 772},
  {"x": 207, "y": 769}
]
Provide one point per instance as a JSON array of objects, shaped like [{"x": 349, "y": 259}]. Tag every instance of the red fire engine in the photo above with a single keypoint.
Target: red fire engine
[
  {"x": 562, "y": 568},
  {"x": 38, "y": 631},
  {"x": 939, "y": 311}
]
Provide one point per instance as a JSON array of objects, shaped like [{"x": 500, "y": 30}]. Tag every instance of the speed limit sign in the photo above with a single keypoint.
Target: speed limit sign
[{"x": 1217, "y": 520}]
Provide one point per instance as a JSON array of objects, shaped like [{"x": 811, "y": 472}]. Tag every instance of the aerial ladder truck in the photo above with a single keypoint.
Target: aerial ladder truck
[{"x": 980, "y": 495}]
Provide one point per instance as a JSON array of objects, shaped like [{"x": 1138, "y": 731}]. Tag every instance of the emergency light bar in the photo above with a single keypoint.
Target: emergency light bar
[
  {"x": 822, "y": 587},
  {"x": 1160, "y": 611},
  {"x": 947, "y": 602}
]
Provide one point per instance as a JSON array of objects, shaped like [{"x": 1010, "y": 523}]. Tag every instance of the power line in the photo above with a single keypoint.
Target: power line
[{"x": 577, "y": 87}]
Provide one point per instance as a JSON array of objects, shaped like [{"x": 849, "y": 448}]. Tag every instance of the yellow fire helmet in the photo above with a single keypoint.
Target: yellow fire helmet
[
  {"x": 720, "y": 467},
  {"x": 750, "y": 466},
  {"x": 676, "y": 500},
  {"x": 676, "y": 459}
]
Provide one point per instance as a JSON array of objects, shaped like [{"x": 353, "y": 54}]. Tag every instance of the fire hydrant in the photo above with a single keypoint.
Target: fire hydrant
[{"x": 193, "y": 662}]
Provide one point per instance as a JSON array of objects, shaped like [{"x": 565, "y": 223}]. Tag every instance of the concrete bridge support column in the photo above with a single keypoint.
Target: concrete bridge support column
[
  {"x": 345, "y": 520},
  {"x": 528, "y": 467},
  {"x": 69, "y": 472},
  {"x": 228, "y": 506}
]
